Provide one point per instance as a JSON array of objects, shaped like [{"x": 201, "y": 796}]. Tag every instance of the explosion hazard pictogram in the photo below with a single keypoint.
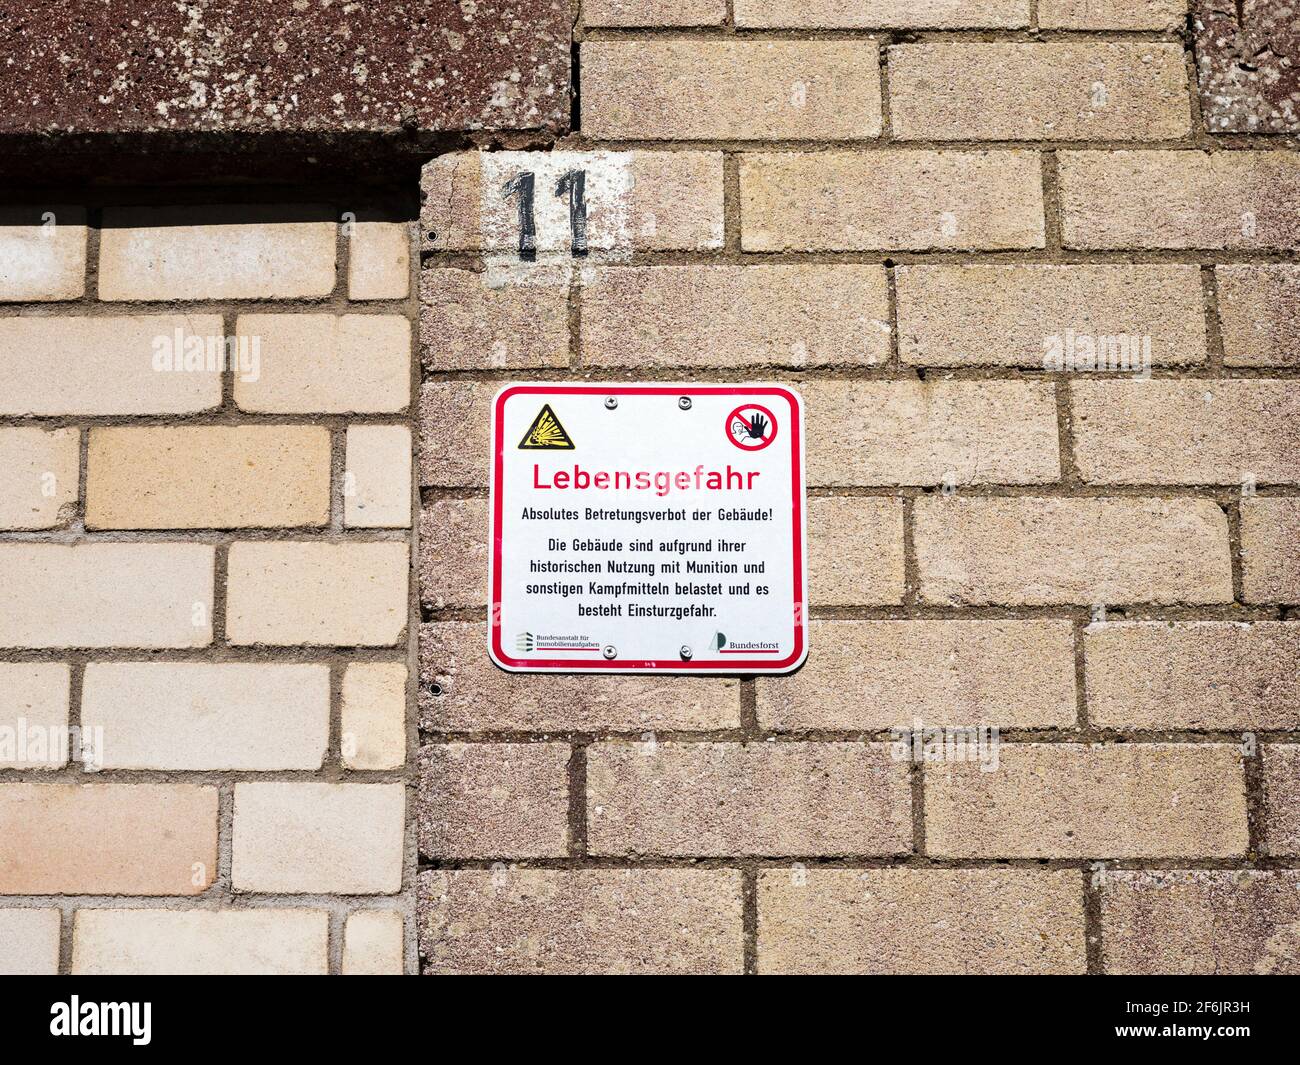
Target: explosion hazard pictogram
[{"x": 546, "y": 432}]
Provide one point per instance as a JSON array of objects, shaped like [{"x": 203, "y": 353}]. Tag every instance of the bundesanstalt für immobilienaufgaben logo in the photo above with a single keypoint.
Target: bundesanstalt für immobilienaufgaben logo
[{"x": 75, "y": 1017}]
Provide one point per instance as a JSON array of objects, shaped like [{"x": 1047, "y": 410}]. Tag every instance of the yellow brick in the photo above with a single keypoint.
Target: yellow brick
[
  {"x": 38, "y": 477},
  {"x": 1173, "y": 199},
  {"x": 42, "y": 253},
  {"x": 1112, "y": 14},
  {"x": 1070, "y": 800},
  {"x": 1186, "y": 432},
  {"x": 882, "y": 14},
  {"x": 377, "y": 480},
  {"x": 1016, "y": 315},
  {"x": 1270, "y": 550},
  {"x": 34, "y": 714},
  {"x": 877, "y": 675},
  {"x": 373, "y": 943},
  {"x": 909, "y": 921},
  {"x": 891, "y": 199},
  {"x": 1257, "y": 312},
  {"x": 44, "y": 368},
  {"x": 685, "y": 316},
  {"x": 1038, "y": 552},
  {"x": 208, "y": 477},
  {"x": 373, "y": 723},
  {"x": 730, "y": 89},
  {"x": 343, "y": 594},
  {"x": 106, "y": 595},
  {"x": 1119, "y": 90},
  {"x": 204, "y": 715},
  {"x": 269, "y": 251},
  {"x": 379, "y": 261},
  {"x": 923, "y": 432},
  {"x": 323, "y": 363},
  {"x": 300, "y": 838},
  {"x": 470, "y": 321},
  {"x": 29, "y": 942},
  {"x": 654, "y": 12},
  {"x": 200, "y": 942},
  {"x": 855, "y": 551}
]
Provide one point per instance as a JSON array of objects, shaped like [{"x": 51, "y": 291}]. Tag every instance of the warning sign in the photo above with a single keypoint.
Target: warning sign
[
  {"x": 640, "y": 527},
  {"x": 546, "y": 432}
]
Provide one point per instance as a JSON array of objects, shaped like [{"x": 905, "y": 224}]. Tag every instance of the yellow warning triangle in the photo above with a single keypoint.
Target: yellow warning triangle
[{"x": 546, "y": 432}]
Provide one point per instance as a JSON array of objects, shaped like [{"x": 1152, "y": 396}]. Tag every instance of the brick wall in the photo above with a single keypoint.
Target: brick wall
[
  {"x": 207, "y": 563},
  {"x": 893, "y": 205},
  {"x": 308, "y": 762}
]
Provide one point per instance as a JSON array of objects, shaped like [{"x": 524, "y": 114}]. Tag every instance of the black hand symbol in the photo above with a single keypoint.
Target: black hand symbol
[{"x": 758, "y": 427}]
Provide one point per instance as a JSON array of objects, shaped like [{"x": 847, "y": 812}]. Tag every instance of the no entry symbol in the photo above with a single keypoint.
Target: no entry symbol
[{"x": 751, "y": 427}]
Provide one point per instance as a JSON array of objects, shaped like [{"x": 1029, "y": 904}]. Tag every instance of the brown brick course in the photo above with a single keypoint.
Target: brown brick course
[{"x": 722, "y": 799}]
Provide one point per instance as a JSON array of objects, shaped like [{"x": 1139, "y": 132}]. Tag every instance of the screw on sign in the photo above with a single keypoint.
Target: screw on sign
[{"x": 751, "y": 427}]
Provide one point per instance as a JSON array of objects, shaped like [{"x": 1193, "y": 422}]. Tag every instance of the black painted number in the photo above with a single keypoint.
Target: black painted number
[{"x": 573, "y": 187}]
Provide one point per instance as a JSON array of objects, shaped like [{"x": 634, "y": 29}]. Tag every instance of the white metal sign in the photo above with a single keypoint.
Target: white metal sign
[{"x": 640, "y": 527}]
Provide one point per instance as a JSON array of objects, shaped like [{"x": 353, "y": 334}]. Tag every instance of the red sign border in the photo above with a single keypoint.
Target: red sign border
[{"x": 695, "y": 665}]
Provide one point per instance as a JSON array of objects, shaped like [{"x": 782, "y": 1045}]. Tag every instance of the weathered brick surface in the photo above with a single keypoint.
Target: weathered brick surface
[
  {"x": 1068, "y": 800},
  {"x": 926, "y": 432},
  {"x": 1036, "y": 552},
  {"x": 217, "y": 476},
  {"x": 909, "y": 921},
  {"x": 1119, "y": 90},
  {"x": 637, "y": 201},
  {"x": 698, "y": 316},
  {"x": 1270, "y": 550},
  {"x": 730, "y": 89},
  {"x": 517, "y": 921},
  {"x": 855, "y": 551},
  {"x": 873, "y": 14},
  {"x": 453, "y": 442},
  {"x": 1186, "y": 432},
  {"x": 654, "y": 12},
  {"x": 193, "y": 942},
  {"x": 721, "y": 799},
  {"x": 1282, "y": 798},
  {"x": 107, "y": 839},
  {"x": 1016, "y": 315},
  {"x": 29, "y": 942},
  {"x": 344, "y": 594},
  {"x": 891, "y": 199},
  {"x": 1257, "y": 313},
  {"x": 1200, "y": 922},
  {"x": 877, "y": 675},
  {"x": 44, "y": 369},
  {"x": 1180, "y": 199},
  {"x": 315, "y": 837},
  {"x": 42, "y": 253},
  {"x": 106, "y": 595},
  {"x": 38, "y": 477},
  {"x": 454, "y": 553},
  {"x": 494, "y": 800},
  {"x": 1193, "y": 675},
  {"x": 1112, "y": 14},
  {"x": 377, "y": 477},
  {"x": 268, "y": 251},
  {"x": 379, "y": 261},
  {"x": 373, "y": 717},
  {"x": 200, "y": 715},
  {"x": 373, "y": 944},
  {"x": 34, "y": 698},
  {"x": 1246, "y": 65},
  {"x": 328, "y": 364},
  {"x": 472, "y": 694},
  {"x": 471, "y": 321}
]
